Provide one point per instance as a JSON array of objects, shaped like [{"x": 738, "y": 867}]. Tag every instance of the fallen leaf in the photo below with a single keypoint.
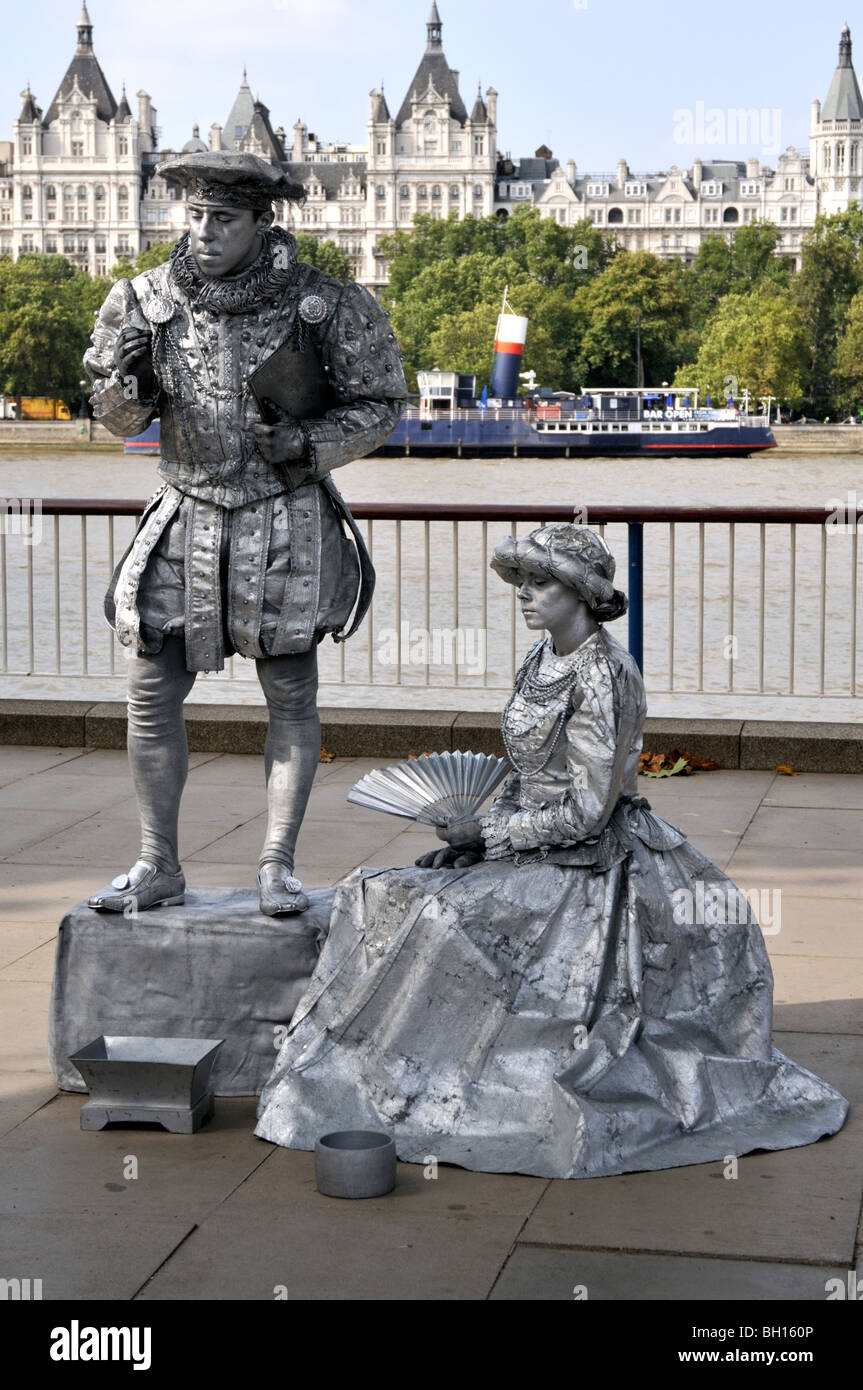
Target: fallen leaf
[
  {"x": 326, "y": 757},
  {"x": 786, "y": 771}
]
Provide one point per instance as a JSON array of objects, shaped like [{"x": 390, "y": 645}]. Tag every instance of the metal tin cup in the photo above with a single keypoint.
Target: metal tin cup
[{"x": 355, "y": 1163}]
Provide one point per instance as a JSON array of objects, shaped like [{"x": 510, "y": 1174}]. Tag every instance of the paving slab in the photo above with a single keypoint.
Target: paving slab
[
  {"x": 832, "y": 790},
  {"x": 353, "y": 1253},
  {"x": 117, "y": 837},
  {"x": 19, "y": 939},
  {"x": 540, "y": 1275},
  {"x": 799, "y": 982},
  {"x": 61, "y": 788},
  {"x": 287, "y": 1178},
  {"x": 43, "y": 892},
  {"x": 18, "y": 762},
  {"x": 21, "y": 830},
  {"x": 24, "y": 1025},
  {"x": 79, "y": 1257},
  {"x": 50, "y": 1166},
  {"x": 828, "y": 873},
  {"x": 21, "y": 1094},
  {"x": 818, "y": 927},
  {"x": 810, "y": 827},
  {"x": 800, "y": 1205},
  {"x": 35, "y": 965}
]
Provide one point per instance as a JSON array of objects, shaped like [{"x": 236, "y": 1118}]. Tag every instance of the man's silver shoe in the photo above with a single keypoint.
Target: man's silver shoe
[
  {"x": 143, "y": 886},
  {"x": 279, "y": 892}
]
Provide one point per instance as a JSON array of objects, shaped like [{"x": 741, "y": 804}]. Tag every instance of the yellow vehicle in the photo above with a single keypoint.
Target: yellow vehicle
[{"x": 43, "y": 408}]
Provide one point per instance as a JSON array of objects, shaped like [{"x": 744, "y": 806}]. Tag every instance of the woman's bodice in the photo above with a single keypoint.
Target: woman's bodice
[{"x": 572, "y": 729}]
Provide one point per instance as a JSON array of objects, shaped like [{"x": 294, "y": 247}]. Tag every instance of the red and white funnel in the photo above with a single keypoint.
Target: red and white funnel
[{"x": 509, "y": 340}]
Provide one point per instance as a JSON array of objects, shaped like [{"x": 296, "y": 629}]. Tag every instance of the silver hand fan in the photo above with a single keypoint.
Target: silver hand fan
[{"x": 433, "y": 788}]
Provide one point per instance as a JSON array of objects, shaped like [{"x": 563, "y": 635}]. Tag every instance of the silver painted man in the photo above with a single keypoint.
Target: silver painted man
[{"x": 244, "y": 547}]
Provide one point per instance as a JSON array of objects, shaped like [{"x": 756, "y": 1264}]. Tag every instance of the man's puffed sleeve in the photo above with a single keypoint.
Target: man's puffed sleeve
[
  {"x": 363, "y": 363},
  {"x": 115, "y": 400}
]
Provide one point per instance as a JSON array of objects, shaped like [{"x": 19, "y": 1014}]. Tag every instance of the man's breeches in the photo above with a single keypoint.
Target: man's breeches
[{"x": 158, "y": 684}]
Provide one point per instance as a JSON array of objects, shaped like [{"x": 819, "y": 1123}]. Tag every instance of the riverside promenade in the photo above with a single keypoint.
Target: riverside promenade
[{"x": 222, "y": 1215}]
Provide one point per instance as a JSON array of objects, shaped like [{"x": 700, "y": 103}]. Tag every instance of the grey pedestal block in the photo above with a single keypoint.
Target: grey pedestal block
[
  {"x": 214, "y": 967},
  {"x": 186, "y": 1121}
]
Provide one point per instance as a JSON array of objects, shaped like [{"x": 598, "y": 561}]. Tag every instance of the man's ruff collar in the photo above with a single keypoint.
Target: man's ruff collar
[{"x": 261, "y": 282}]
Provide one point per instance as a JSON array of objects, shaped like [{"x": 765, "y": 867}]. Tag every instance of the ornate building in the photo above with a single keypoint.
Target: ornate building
[
  {"x": 75, "y": 180},
  {"x": 79, "y": 180}
]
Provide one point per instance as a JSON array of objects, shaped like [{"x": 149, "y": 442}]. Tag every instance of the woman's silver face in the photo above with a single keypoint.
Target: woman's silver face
[{"x": 546, "y": 603}]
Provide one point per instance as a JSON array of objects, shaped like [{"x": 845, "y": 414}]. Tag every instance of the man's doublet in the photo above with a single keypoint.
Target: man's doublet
[{"x": 209, "y": 337}]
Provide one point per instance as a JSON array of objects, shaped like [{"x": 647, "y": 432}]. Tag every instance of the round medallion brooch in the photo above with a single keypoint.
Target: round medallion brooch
[
  {"x": 159, "y": 309},
  {"x": 313, "y": 309}
]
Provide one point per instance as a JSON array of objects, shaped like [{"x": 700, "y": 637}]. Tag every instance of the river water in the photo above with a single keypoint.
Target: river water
[{"x": 775, "y": 479}]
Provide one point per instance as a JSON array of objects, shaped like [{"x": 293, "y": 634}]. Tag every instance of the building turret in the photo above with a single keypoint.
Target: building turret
[{"x": 836, "y": 137}]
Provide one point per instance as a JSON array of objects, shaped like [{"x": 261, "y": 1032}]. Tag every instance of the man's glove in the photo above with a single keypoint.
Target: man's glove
[
  {"x": 132, "y": 358},
  {"x": 281, "y": 443}
]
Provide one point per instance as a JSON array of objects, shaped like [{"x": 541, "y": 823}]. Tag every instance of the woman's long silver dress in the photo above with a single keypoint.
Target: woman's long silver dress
[{"x": 569, "y": 1009}]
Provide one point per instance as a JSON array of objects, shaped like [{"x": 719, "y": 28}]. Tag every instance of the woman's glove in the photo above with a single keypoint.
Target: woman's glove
[{"x": 464, "y": 837}]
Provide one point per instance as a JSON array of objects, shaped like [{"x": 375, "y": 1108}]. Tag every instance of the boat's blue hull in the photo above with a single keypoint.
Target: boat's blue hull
[{"x": 481, "y": 436}]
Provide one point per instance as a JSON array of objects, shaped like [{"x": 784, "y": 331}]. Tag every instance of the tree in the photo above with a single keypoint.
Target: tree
[
  {"x": 325, "y": 255},
  {"x": 606, "y": 317},
  {"x": 733, "y": 265},
  {"x": 754, "y": 341},
  {"x": 448, "y": 276},
  {"x": 848, "y": 361},
  {"x": 830, "y": 276},
  {"x": 46, "y": 315}
]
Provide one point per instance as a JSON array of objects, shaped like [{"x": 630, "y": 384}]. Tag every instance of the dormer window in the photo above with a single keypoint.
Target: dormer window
[
  {"x": 750, "y": 188},
  {"x": 634, "y": 189},
  {"x": 597, "y": 190},
  {"x": 710, "y": 188}
]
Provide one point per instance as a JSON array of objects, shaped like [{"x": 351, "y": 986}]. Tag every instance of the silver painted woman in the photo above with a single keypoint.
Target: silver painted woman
[{"x": 532, "y": 998}]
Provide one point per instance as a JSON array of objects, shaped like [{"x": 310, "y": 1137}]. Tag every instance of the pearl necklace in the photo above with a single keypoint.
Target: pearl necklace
[{"x": 541, "y": 692}]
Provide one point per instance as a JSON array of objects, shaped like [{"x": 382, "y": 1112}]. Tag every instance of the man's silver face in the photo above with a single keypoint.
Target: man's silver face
[{"x": 223, "y": 238}]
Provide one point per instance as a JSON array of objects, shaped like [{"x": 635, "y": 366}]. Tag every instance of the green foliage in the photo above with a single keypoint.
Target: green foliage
[
  {"x": 831, "y": 274},
  {"x": 46, "y": 315},
  {"x": 848, "y": 361},
  {"x": 326, "y": 255},
  {"x": 759, "y": 339},
  {"x": 606, "y": 313},
  {"x": 733, "y": 265},
  {"x": 148, "y": 259},
  {"x": 447, "y": 279}
]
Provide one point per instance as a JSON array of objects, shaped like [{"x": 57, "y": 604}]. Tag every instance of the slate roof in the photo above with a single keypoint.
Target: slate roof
[
  {"x": 85, "y": 68},
  {"x": 241, "y": 115},
  {"x": 444, "y": 80},
  {"x": 330, "y": 176},
  {"x": 843, "y": 101},
  {"x": 29, "y": 111},
  {"x": 381, "y": 110}
]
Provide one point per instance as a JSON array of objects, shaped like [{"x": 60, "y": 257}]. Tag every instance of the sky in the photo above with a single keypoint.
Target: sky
[{"x": 595, "y": 80}]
